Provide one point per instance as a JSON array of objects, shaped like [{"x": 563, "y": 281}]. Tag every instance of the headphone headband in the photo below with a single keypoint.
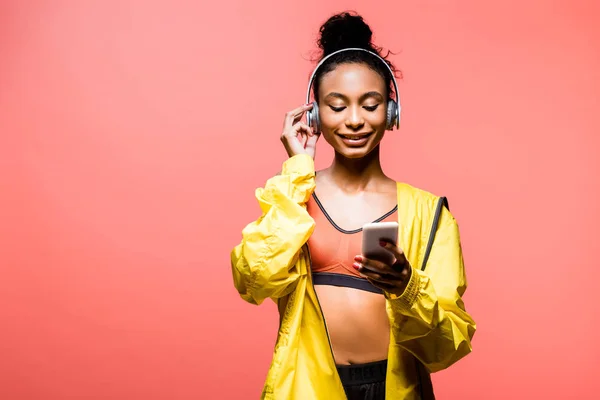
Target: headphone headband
[{"x": 312, "y": 77}]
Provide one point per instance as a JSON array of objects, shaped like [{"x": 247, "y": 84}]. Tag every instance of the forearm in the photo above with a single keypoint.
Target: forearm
[
  {"x": 429, "y": 318},
  {"x": 437, "y": 330},
  {"x": 263, "y": 263}
]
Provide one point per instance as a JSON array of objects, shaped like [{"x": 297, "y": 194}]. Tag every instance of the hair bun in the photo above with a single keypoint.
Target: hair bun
[{"x": 342, "y": 31}]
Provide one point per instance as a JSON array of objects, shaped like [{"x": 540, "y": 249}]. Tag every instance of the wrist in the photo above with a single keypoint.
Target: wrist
[
  {"x": 401, "y": 288},
  {"x": 299, "y": 164},
  {"x": 403, "y": 300}
]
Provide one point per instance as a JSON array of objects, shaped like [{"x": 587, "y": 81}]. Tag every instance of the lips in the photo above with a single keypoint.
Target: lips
[
  {"x": 356, "y": 140},
  {"x": 356, "y": 136}
]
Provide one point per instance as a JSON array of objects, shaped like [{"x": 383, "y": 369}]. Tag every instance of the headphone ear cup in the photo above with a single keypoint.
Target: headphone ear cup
[
  {"x": 312, "y": 118},
  {"x": 391, "y": 115}
]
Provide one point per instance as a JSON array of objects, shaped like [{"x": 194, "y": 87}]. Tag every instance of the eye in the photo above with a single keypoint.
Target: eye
[
  {"x": 371, "y": 108},
  {"x": 337, "y": 109}
]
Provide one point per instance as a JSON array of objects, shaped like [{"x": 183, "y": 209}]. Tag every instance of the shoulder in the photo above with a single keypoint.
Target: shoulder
[
  {"x": 415, "y": 195},
  {"x": 422, "y": 204}
]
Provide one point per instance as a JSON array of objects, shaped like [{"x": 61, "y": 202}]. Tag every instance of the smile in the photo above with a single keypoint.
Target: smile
[
  {"x": 355, "y": 137},
  {"x": 355, "y": 141}
]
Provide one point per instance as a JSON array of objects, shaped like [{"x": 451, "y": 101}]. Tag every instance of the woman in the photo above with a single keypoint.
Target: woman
[{"x": 352, "y": 327}]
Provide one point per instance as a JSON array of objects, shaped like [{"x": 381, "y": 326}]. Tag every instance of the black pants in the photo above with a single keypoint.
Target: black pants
[{"x": 364, "y": 381}]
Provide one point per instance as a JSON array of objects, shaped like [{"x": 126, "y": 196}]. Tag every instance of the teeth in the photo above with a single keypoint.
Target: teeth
[{"x": 354, "y": 138}]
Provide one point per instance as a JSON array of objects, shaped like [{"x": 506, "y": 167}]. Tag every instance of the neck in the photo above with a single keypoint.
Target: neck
[{"x": 356, "y": 175}]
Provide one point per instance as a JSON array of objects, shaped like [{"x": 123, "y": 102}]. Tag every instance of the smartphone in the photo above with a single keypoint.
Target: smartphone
[{"x": 372, "y": 233}]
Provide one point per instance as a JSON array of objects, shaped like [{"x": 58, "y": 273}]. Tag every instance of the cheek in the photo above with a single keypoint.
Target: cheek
[
  {"x": 377, "y": 118},
  {"x": 331, "y": 120},
  {"x": 329, "y": 136}
]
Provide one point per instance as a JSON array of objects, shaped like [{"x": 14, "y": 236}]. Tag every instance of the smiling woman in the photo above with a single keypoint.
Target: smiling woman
[
  {"x": 352, "y": 327},
  {"x": 353, "y": 121}
]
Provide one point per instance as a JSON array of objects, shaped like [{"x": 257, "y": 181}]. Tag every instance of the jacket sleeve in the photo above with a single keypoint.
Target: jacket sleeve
[
  {"x": 264, "y": 262},
  {"x": 429, "y": 319}
]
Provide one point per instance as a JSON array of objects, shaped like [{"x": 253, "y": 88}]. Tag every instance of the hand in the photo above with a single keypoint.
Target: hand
[
  {"x": 390, "y": 278},
  {"x": 297, "y": 137}
]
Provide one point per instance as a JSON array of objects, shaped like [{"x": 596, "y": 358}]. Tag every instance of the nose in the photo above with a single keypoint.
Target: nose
[{"x": 355, "y": 119}]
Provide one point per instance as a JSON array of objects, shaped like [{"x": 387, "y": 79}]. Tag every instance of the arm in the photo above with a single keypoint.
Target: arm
[
  {"x": 264, "y": 263},
  {"x": 429, "y": 318}
]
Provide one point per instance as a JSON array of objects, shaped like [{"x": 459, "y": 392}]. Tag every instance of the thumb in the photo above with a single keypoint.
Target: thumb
[{"x": 312, "y": 140}]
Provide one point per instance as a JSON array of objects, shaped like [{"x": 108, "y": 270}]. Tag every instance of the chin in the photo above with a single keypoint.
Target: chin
[{"x": 354, "y": 153}]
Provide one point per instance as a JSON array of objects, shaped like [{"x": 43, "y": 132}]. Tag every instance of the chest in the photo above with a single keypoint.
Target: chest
[
  {"x": 350, "y": 213},
  {"x": 334, "y": 244}
]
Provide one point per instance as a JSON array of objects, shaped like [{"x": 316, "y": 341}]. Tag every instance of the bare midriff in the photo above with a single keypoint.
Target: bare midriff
[{"x": 357, "y": 322}]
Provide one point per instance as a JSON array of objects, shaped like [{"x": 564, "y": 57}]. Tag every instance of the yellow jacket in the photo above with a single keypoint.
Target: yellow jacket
[{"x": 430, "y": 328}]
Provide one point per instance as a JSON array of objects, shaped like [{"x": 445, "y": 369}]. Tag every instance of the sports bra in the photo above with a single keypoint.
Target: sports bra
[{"x": 332, "y": 249}]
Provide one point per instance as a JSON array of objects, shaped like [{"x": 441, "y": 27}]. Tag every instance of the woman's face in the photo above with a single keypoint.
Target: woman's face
[{"x": 352, "y": 109}]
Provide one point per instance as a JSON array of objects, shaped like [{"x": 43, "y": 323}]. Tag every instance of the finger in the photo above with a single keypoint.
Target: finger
[
  {"x": 312, "y": 139},
  {"x": 375, "y": 266},
  {"x": 371, "y": 273},
  {"x": 395, "y": 250},
  {"x": 380, "y": 278},
  {"x": 300, "y": 128},
  {"x": 382, "y": 285},
  {"x": 388, "y": 282},
  {"x": 303, "y": 139},
  {"x": 293, "y": 116}
]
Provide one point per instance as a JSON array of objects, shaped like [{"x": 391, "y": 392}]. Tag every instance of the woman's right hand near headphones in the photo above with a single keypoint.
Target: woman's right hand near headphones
[{"x": 297, "y": 137}]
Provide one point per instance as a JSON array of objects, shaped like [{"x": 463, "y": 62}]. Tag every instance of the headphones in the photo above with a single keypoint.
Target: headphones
[{"x": 392, "y": 110}]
